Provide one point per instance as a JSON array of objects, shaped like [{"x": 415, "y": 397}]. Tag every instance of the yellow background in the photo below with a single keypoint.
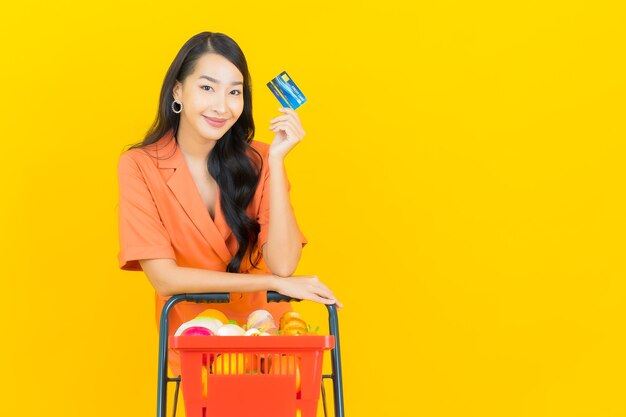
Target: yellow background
[{"x": 461, "y": 185}]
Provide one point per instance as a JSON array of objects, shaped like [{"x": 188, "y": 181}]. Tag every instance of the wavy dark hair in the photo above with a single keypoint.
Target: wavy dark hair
[{"x": 229, "y": 163}]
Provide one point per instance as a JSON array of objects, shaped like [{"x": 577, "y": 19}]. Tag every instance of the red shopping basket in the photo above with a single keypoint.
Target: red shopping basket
[
  {"x": 249, "y": 376},
  {"x": 246, "y": 376}
]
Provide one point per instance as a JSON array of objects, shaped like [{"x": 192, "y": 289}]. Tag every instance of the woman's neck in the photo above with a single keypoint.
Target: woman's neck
[{"x": 192, "y": 145}]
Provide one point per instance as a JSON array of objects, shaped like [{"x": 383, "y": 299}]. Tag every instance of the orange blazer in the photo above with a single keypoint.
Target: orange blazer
[{"x": 161, "y": 215}]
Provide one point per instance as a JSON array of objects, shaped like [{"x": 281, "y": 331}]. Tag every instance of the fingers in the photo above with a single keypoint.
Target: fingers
[
  {"x": 321, "y": 300},
  {"x": 288, "y": 132},
  {"x": 290, "y": 128},
  {"x": 288, "y": 122},
  {"x": 308, "y": 288},
  {"x": 323, "y": 294},
  {"x": 286, "y": 119},
  {"x": 325, "y": 300},
  {"x": 290, "y": 118},
  {"x": 290, "y": 111},
  {"x": 323, "y": 291}
]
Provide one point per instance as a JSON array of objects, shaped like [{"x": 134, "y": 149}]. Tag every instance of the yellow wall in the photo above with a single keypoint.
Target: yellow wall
[{"x": 461, "y": 185}]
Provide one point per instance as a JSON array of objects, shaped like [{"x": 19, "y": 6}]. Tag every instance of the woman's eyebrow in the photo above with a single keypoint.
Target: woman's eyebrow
[{"x": 218, "y": 82}]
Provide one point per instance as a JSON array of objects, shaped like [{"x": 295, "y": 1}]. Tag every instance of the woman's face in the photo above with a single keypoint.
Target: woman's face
[{"x": 212, "y": 97}]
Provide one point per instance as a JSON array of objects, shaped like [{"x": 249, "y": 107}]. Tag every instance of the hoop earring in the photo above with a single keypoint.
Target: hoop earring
[{"x": 179, "y": 103}]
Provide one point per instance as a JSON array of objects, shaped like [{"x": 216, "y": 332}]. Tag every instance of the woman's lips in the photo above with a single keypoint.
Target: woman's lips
[{"x": 215, "y": 122}]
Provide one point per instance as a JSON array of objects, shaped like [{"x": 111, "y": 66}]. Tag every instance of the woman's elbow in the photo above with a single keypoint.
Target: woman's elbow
[
  {"x": 283, "y": 271},
  {"x": 163, "y": 290},
  {"x": 158, "y": 273},
  {"x": 283, "y": 265},
  {"x": 160, "y": 285}
]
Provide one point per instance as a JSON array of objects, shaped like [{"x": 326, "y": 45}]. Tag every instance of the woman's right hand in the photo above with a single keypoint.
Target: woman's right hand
[{"x": 305, "y": 288}]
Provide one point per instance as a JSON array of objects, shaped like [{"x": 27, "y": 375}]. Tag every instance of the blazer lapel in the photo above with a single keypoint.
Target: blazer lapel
[{"x": 184, "y": 189}]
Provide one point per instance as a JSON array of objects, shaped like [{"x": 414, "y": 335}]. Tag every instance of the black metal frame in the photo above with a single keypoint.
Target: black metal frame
[{"x": 163, "y": 379}]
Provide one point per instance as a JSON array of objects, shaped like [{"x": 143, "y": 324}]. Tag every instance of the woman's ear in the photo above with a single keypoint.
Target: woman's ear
[{"x": 176, "y": 90}]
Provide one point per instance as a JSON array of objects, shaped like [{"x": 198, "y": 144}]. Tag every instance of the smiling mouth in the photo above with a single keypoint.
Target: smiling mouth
[{"x": 215, "y": 122}]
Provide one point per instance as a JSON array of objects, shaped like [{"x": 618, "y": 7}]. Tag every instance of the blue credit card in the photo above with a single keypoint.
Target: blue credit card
[{"x": 286, "y": 91}]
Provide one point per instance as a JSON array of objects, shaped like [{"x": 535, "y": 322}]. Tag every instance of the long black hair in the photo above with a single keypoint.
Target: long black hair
[{"x": 230, "y": 161}]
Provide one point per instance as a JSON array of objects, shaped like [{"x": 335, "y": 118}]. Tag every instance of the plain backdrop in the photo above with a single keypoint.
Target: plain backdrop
[{"x": 461, "y": 185}]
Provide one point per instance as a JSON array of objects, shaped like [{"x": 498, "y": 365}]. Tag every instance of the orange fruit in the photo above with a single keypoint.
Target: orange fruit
[
  {"x": 292, "y": 324},
  {"x": 288, "y": 316},
  {"x": 294, "y": 327}
]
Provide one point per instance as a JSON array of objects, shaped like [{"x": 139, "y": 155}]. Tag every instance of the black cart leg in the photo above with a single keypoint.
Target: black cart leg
[
  {"x": 335, "y": 357},
  {"x": 163, "y": 346}
]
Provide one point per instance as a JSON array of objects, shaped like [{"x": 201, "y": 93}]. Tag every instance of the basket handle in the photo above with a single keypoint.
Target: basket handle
[
  {"x": 276, "y": 297},
  {"x": 224, "y": 297},
  {"x": 211, "y": 297}
]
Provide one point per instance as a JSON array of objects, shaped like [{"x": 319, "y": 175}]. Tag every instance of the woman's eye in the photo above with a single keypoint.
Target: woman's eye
[
  {"x": 236, "y": 92},
  {"x": 207, "y": 87}
]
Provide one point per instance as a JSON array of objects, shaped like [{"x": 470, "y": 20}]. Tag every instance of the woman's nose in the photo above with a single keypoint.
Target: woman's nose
[{"x": 219, "y": 104}]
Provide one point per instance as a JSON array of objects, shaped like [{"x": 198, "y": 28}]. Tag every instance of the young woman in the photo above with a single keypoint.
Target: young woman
[{"x": 202, "y": 206}]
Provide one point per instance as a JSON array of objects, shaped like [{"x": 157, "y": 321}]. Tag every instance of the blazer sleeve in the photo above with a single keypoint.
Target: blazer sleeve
[
  {"x": 264, "y": 211},
  {"x": 142, "y": 234}
]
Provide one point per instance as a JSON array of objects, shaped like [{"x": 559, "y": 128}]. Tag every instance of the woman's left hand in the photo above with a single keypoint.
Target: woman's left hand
[{"x": 289, "y": 132}]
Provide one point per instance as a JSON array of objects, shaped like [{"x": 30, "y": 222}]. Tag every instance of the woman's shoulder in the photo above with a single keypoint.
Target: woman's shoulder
[
  {"x": 148, "y": 154},
  {"x": 134, "y": 158}
]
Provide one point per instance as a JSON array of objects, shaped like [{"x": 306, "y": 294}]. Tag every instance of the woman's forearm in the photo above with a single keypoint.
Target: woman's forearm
[
  {"x": 168, "y": 278},
  {"x": 284, "y": 247}
]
